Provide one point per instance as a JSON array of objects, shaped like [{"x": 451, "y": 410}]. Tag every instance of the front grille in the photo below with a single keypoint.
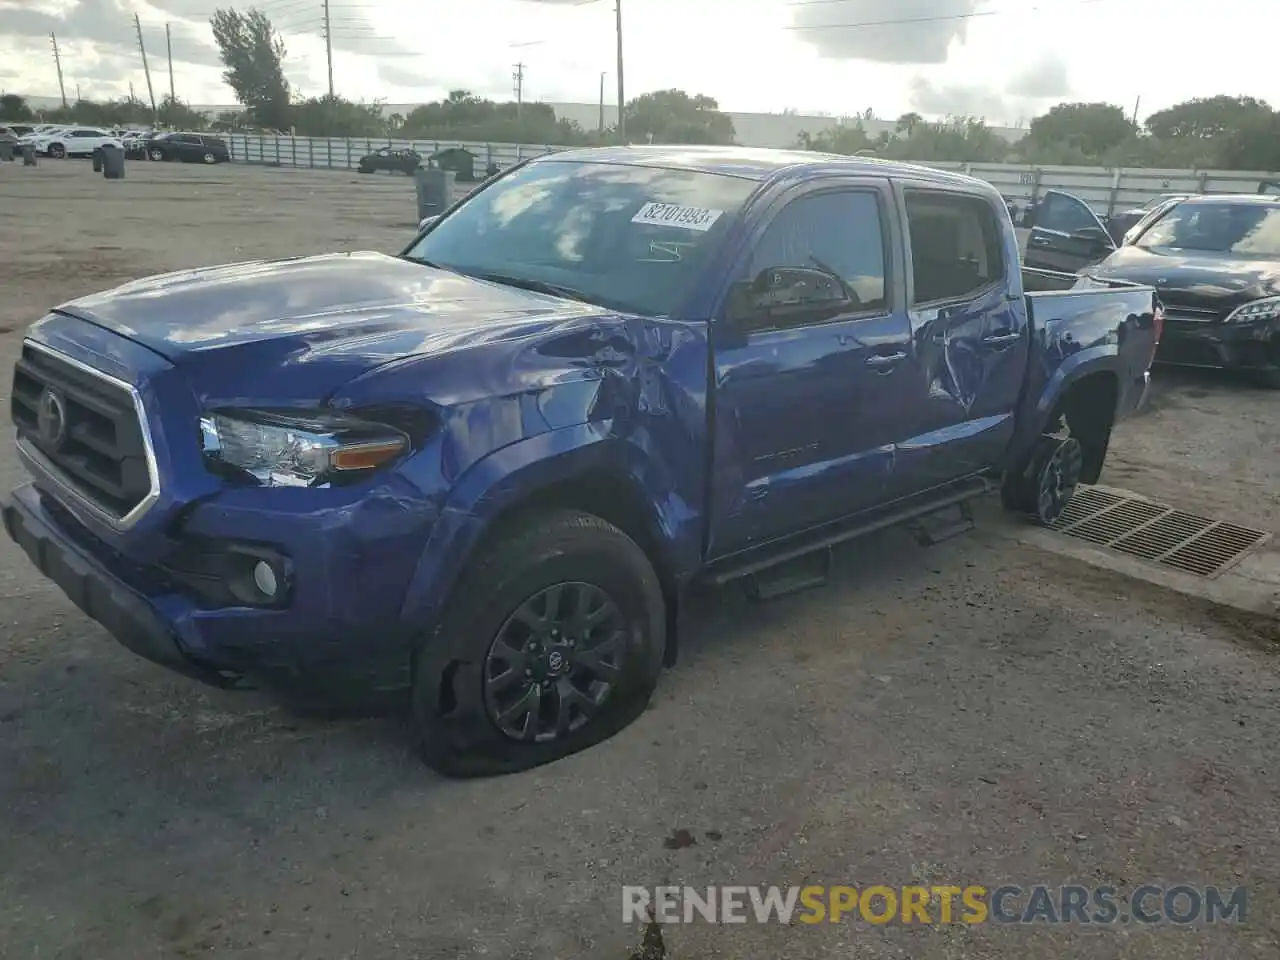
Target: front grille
[
  {"x": 1192, "y": 313},
  {"x": 100, "y": 450}
]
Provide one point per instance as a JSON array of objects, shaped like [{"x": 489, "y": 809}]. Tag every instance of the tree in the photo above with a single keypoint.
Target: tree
[
  {"x": 335, "y": 117},
  {"x": 464, "y": 116},
  {"x": 1090, "y": 129},
  {"x": 177, "y": 115},
  {"x": 672, "y": 116},
  {"x": 1206, "y": 118},
  {"x": 253, "y": 53},
  {"x": 908, "y": 122},
  {"x": 14, "y": 108},
  {"x": 843, "y": 139}
]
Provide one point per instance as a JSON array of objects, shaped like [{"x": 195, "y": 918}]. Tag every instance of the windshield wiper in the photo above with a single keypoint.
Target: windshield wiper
[{"x": 537, "y": 286}]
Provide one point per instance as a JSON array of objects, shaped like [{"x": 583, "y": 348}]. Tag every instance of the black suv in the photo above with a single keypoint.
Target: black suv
[
  {"x": 389, "y": 158},
  {"x": 188, "y": 148}
]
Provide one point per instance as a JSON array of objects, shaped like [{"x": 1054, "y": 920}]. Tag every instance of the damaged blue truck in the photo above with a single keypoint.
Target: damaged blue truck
[{"x": 480, "y": 475}]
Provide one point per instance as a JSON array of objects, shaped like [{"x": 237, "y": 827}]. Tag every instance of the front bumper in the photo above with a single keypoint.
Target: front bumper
[
  {"x": 341, "y": 636},
  {"x": 1251, "y": 346}
]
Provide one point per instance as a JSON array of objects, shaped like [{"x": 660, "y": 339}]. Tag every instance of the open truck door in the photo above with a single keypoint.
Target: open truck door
[{"x": 1066, "y": 235}]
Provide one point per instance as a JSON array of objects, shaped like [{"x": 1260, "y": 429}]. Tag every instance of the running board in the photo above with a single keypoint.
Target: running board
[{"x": 830, "y": 535}]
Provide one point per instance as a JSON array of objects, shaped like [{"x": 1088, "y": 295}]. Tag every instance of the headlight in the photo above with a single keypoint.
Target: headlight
[
  {"x": 1265, "y": 309},
  {"x": 298, "y": 449}
]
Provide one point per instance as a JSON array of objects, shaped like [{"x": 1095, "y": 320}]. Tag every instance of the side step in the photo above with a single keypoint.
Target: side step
[{"x": 804, "y": 561}]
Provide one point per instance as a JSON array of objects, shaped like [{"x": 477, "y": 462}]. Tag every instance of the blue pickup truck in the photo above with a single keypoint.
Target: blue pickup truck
[{"x": 481, "y": 474}]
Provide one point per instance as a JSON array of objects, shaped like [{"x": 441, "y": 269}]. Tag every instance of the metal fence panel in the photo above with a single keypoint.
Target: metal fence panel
[{"x": 1106, "y": 190}]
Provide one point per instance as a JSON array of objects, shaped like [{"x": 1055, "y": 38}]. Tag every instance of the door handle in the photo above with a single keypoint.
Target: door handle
[
  {"x": 1000, "y": 339},
  {"x": 1040, "y": 241},
  {"x": 884, "y": 362}
]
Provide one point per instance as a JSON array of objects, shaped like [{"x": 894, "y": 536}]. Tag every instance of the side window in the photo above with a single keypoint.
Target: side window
[
  {"x": 1064, "y": 214},
  {"x": 956, "y": 245},
  {"x": 837, "y": 232}
]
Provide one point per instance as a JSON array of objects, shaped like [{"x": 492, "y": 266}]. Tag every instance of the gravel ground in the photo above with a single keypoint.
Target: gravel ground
[{"x": 974, "y": 712}]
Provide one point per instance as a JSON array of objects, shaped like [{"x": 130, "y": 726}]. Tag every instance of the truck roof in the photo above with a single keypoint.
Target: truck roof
[{"x": 757, "y": 163}]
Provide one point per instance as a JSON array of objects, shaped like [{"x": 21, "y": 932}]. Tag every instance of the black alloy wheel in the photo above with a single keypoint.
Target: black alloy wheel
[
  {"x": 554, "y": 662},
  {"x": 1057, "y": 477}
]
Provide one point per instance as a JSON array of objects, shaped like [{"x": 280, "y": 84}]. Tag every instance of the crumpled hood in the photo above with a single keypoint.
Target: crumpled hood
[{"x": 297, "y": 329}]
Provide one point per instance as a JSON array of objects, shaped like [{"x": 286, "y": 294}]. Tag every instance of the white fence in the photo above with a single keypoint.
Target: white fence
[{"x": 1106, "y": 190}]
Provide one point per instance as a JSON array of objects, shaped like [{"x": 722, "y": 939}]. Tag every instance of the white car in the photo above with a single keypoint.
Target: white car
[{"x": 74, "y": 141}]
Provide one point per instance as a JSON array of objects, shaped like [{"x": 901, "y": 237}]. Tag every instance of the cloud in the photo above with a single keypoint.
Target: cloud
[
  {"x": 1043, "y": 80},
  {"x": 886, "y": 31},
  {"x": 108, "y": 25},
  {"x": 956, "y": 100}
]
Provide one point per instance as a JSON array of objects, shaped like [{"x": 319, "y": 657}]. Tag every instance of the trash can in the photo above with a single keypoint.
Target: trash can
[
  {"x": 6, "y": 150},
  {"x": 432, "y": 187},
  {"x": 28, "y": 155},
  {"x": 97, "y": 159},
  {"x": 112, "y": 162}
]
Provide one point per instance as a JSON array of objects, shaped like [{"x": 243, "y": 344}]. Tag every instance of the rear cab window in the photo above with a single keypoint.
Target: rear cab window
[{"x": 956, "y": 245}]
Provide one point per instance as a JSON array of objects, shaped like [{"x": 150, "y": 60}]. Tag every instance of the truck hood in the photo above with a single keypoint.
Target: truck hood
[
  {"x": 299, "y": 328},
  {"x": 1193, "y": 280}
]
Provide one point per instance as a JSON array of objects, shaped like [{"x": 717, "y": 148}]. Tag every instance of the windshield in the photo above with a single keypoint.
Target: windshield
[
  {"x": 1228, "y": 229},
  {"x": 631, "y": 238}
]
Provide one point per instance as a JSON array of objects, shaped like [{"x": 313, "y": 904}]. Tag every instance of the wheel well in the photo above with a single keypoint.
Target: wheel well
[
  {"x": 1089, "y": 408},
  {"x": 615, "y": 500}
]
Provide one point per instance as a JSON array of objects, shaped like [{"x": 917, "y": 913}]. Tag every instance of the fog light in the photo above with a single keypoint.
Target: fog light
[{"x": 264, "y": 578}]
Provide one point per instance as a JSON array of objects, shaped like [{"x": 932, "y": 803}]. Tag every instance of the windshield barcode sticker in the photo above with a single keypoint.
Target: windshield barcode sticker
[{"x": 675, "y": 215}]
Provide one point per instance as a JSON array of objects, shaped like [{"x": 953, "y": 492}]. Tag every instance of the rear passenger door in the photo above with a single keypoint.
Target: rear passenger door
[
  {"x": 1066, "y": 235},
  {"x": 969, "y": 332},
  {"x": 807, "y": 404}
]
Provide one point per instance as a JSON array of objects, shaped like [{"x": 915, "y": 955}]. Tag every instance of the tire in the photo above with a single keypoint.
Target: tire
[
  {"x": 1043, "y": 488},
  {"x": 209, "y": 158},
  {"x": 156, "y": 154},
  {"x": 1268, "y": 379},
  {"x": 57, "y": 151},
  {"x": 456, "y": 705}
]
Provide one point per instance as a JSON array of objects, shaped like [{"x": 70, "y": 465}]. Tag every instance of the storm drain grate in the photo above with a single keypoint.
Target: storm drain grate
[{"x": 1155, "y": 531}]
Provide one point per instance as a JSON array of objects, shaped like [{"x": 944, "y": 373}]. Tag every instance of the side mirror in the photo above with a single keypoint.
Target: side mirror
[
  {"x": 780, "y": 295},
  {"x": 427, "y": 221}
]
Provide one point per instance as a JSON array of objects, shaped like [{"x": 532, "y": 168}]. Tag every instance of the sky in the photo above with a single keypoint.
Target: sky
[{"x": 1004, "y": 60}]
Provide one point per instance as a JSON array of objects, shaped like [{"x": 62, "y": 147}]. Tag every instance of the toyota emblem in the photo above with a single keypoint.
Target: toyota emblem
[{"x": 51, "y": 419}]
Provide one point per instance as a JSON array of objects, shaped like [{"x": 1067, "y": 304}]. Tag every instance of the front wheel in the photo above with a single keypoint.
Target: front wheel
[
  {"x": 157, "y": 155},
  {"x": 552, "y": 642},
  {"x": 209, "y": 158},
  {"x": 57, "y": 151}
]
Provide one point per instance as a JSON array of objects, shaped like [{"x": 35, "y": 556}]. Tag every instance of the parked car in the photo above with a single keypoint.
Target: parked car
[
  {"x": 73, "y": 141},
  {"x": 16, "y": 131},
  {"x": 1214, "y": 260},
  {"x": 187, "y": 148},
  {"x": 485, "y": 471},
  {"x": 1118, "y": 224},
  {"x": 396, "y": 161}
]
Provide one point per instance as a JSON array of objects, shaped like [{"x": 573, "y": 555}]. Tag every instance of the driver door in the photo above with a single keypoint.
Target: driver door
[
  {"x": 1066, "y": 235},
  {"x": 809, "y": 402}
]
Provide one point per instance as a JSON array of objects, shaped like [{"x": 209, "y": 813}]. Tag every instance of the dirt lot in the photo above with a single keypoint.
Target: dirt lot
[{"x": 978, "y": 712}]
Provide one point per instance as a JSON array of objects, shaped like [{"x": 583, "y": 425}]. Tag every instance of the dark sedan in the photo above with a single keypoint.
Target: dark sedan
[
  {"x": 1215, "y": 262},
  {"x": 388, "y": 158},
  {"x": 188, "y": 148}
]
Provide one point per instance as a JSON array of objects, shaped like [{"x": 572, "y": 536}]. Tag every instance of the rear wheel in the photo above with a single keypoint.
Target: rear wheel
[
  {"x": 209, "y": 158},
  {"x": 157, "y": 154},
  {"x": 1043, "y": 489},
  {"x": 552, "y": 642},
  {"x": 57, "y": 151}
]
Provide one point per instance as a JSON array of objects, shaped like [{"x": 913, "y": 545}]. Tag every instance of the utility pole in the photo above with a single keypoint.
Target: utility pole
[
  {"x": 622, "y": 101},
  {"x": 137, "y": 24},
  {"x": 328, "y": 45},
  {"x": 517, "y": 75},
  {"x": 602, "y": 76},
  {"x": 1137, "y": 103},
  {"x": 57, "y": 62},
  {"x": 168, "y": 42}
]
